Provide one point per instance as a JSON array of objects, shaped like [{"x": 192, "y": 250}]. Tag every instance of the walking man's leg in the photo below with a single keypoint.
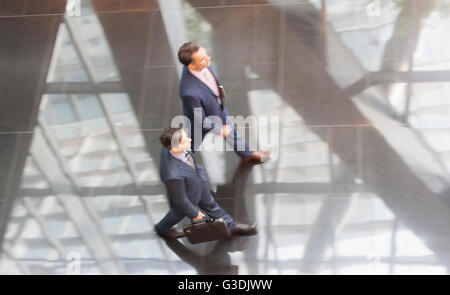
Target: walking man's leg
[
  {"x": 238, "y": 144},
  {"x": 209, "y": 206},
  {"x": 168, "y": 222}
]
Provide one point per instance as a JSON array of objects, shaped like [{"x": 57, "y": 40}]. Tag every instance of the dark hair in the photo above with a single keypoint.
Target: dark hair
[
  {"x": 168, "y": 134},
  {"x": 185, "y": 52}
]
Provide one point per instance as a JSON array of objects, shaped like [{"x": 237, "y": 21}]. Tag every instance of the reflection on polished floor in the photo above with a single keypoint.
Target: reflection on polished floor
[{"x": 361, "y": 184}]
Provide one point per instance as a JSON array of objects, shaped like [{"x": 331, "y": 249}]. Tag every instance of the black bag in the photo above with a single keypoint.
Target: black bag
[{"x": 206, "y": 230}]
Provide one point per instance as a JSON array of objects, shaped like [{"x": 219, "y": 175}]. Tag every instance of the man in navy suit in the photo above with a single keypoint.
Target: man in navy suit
[
  {"x": 203, "y": 96},
  {"x": 187, "y": 187}
]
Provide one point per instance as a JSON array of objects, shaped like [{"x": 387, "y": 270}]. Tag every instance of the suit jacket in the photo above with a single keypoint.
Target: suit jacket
[
  {"x": 196, "y": 94},
  {"x": 184, "y": 184}
]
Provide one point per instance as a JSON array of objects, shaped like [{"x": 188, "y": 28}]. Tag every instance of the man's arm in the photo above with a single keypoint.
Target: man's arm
[
  {"x": 179, "y": 201},
  {"x": 193, "y": 103}
]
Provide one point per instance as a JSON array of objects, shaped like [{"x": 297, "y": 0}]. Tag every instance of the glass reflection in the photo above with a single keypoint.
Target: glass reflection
[{"x": 343, "y": 198}]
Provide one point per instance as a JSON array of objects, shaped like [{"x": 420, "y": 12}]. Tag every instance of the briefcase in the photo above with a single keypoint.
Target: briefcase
[{"x": 206, "y": 230}]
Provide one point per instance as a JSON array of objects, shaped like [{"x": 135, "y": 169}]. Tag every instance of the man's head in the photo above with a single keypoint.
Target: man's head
[
  {"x": 194, "y": 56},
  {"x": 175, "y": 139}
]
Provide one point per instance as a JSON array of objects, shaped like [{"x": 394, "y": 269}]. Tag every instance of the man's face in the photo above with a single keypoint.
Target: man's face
[
  {"x": 200, "y": 60},
  {"x": 184, "y": 144}
]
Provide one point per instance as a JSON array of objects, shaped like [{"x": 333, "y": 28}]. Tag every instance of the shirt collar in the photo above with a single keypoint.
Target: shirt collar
[
  {"x": 198, "y": 72},
  {"x": 180, "y": 156}
]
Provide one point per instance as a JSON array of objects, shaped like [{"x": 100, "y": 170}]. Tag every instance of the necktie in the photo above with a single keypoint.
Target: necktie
[
  {"x": 211, "y": 84},
  {"x": 190, "y": 160},
  {"x": 205, "y": 74}
]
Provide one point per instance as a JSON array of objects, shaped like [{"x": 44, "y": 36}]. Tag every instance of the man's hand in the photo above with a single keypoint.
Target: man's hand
[
  {"x": 226, "y": 130},
  {"x": 199, "y": 216}
]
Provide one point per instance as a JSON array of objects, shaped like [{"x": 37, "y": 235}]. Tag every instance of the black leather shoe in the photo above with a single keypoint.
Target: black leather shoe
[
  {"x": 244, "y": 230},
  {"x": 171, "y": 234}
]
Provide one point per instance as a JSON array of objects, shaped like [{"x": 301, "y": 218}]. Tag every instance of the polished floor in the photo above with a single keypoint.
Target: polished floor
[{"x": 360, "y": 180}]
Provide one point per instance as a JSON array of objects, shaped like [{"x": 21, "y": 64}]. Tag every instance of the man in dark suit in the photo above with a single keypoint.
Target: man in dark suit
[
  {"x": 201, "y": 90},
  {"x": 187, "y": 187}
]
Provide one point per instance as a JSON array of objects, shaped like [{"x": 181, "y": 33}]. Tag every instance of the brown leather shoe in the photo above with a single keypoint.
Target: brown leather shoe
[
  {"x": 257, "y": 157},
  {"x": 171, "y": 234},
  {"x": 244, "y": 230}
]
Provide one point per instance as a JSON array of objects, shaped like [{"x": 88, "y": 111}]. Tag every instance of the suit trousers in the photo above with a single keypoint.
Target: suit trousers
[
  {"x": 234, "y": 140},
  {"x": 238, "y": 144},
  {"x": 207, "y": 204}
]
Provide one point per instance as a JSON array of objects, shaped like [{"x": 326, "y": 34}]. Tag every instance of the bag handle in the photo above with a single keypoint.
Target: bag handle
[{"x": 205, "y": 218}]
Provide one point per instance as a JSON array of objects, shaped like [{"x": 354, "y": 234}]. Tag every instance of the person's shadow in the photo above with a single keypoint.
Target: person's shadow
[
  {"x": 231, "y": 196},
  {"x": 217, "y": 261}
]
